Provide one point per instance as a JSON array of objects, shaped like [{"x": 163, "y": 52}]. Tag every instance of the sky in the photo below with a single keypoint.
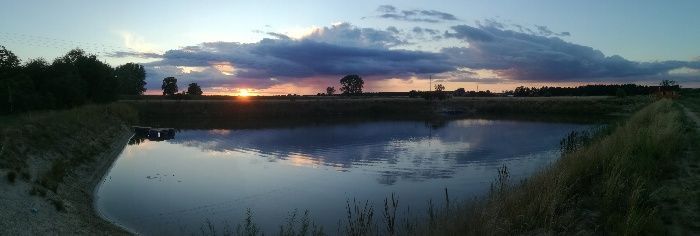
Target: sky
[{"x": 281, "y": 47}]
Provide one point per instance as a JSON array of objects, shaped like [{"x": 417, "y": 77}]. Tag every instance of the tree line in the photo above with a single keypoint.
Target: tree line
[
  {"x": 73, "y": 79},
  {"x": 619, "y": 90}
]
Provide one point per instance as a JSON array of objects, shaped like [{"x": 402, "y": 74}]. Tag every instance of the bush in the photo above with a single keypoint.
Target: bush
[
  {"x": 58, "y": 204},
  {"x": 11, "y": 176}
]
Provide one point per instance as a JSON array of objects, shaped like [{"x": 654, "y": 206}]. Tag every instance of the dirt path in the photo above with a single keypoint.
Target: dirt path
[{"x": 680, "y": 197}]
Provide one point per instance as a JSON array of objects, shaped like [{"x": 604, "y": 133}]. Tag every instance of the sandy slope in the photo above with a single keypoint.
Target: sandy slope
[{"x": 22, "y": 214}]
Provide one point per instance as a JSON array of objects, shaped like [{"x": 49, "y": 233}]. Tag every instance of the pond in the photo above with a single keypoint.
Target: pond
[{"x": 174, "y": 184}]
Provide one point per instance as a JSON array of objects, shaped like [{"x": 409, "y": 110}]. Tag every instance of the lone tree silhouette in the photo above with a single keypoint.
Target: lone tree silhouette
[
  {"x": 351, "y": 84},
  {"x": 169, "y": 86},
  {"x": 667, "y": 83},
  {"x": 330, "y": 91},
  {"x": 194, "y": 89}
]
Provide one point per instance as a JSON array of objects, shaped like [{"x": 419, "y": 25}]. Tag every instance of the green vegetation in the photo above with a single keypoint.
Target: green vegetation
[{"x": 70, "y": 80}]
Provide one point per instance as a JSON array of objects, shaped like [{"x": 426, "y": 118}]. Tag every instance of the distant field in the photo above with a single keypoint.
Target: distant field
[{"x": 235, "y": 112}]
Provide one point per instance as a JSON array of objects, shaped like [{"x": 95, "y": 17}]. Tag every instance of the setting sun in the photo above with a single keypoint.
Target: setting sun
[{"x": 243, "y": 92}]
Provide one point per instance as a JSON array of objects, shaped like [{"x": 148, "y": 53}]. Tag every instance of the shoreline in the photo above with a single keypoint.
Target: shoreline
[{"x": 102, "y": 171}]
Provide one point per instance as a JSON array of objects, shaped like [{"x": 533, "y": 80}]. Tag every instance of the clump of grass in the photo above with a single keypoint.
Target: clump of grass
[
  {"x": 249, "y": 228},
  {"x": 54, "y": 176},
  {"x": 302, "y": 226},
  {"x": 58, "y": 204},
  {"x": 26, "y": 176},
  {"x": 11, "y": 176},
  {"x": 390, "y": 207},
  {"x": 359, "y": 219},
  {"x": 37, "y": 190}
]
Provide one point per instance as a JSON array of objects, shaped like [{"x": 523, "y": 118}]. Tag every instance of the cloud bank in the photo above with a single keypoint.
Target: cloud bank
[
  {"x": 513, "y": 54},
  {"x": 530, "y": 57}
]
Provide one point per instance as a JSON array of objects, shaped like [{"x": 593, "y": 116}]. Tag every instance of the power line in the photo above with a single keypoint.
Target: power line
[{"x": 62, "y": 44}]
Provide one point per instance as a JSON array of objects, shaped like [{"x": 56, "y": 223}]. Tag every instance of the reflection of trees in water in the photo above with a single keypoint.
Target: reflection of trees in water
[
  {"x": 412, "y": 151},
  {"x": 436, "y": 123}
]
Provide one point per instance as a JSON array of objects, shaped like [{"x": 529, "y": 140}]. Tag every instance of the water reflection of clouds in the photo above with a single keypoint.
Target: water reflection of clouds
[{"x": 393, "y": 150}]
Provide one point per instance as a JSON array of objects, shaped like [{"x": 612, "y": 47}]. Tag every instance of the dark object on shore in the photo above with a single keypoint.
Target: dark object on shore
[
  {"x": 452, "y": 112},
  {"x": 153, "y": 134},
  {"x": 140, "y": 130}
]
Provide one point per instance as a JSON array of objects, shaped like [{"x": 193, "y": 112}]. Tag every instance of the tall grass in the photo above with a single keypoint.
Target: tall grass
[{"x": 602, "y": 188}]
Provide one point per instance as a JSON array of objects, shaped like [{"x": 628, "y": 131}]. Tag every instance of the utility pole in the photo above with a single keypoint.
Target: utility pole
[{"x": 430, "y": 86}]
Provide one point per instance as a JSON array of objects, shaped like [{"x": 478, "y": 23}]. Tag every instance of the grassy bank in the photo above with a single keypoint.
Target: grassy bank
[
  {"x": 606, "y": 187},
  {"x": 254, "y": 112},
  {"x": 55, "y": 157}
]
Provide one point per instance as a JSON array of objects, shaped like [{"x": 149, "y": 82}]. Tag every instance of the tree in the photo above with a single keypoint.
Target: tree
[
  {"x": 460, "y": 92},
  {"x": 330, "y": 91},
  {"x": 351, "y": 84},
  {"x": 17, "y": 94},
  {"x": 667, "y": 83},
  {"x": 8, "y": 61},
  {"x": 131, "y": 78},
  {"x": 194, "y": 89},
  {"x": 439, "y": 88},
  {"x": 439, "y": 92},
  {"x": 169, "y": 86},
  {"x": 98, "y": 77},
  {"x": 413, "y": 94}
]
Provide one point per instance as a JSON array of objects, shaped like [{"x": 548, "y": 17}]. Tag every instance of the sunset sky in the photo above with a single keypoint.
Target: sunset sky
[{"x": 280, "y": 47}]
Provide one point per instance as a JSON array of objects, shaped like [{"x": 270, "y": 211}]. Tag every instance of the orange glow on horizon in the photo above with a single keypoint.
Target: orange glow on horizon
[{"x": 243, "y": 92}]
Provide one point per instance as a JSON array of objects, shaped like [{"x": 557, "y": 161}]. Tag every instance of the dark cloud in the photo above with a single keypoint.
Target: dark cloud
[
  {"x": 279, "y": 36},
  {"x": 326, "y": 52},
  {"x": 145, "y": 55},
  {"x": 428, "y": 16},
  {"x": 307, "y": 58},
  {"x": 349, "y": 35},
  {"x": 417, "y": 30},
  {"x": 470, "y": 34},
  {"x": 392, "y": 29},
  {"x": 545, "y": 31},
  {"x": 510, "y": 55},
  {"x": 421, "y": 31},
  {"x": 532, "y": 57},
  {"x": 386, "y": 8}
]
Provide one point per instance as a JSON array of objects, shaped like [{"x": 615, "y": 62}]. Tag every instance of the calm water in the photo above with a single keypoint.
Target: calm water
[{"x": 174, "y": 186}]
